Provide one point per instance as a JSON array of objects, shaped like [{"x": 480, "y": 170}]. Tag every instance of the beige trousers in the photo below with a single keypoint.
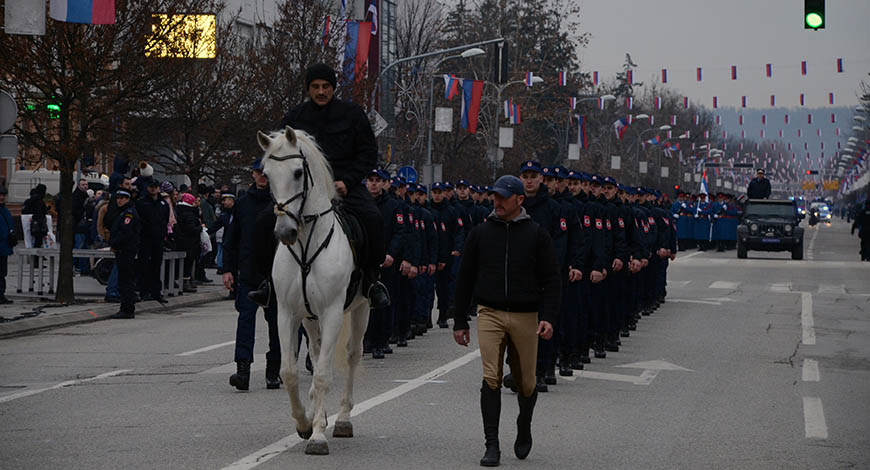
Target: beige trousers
[{"x": 498, "y": 330}]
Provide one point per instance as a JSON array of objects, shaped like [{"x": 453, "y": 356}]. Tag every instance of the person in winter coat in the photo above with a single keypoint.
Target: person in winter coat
[
  {"x": 7, "y": 242},
  {"x": 35, "y": 206},
  {"x": 187, "y": 236},
  {"x": 759, "y": 187}
]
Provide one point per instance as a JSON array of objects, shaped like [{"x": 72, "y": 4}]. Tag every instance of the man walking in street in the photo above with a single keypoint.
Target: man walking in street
[{"x": 509, "y": 267}]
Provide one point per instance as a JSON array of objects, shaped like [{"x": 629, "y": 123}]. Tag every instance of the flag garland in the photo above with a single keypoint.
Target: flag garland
[
  {"x": 664, "y": 75},
  {"x": 563, "y": 78},
  {"x": 472, "y": 91},
  {"x": 581, "y": 131}
]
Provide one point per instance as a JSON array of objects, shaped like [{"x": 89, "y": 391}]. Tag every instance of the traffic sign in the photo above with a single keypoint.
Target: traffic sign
[
  {"x": 408, "y": 173},
  {"x": 379, "y": 124},
  {"x": 8, "y": 111}
]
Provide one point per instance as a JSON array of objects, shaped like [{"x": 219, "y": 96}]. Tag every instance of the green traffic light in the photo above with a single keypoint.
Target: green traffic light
[
  {"x": 53, "y": 110},
  {"x": 814, "y": 20}
]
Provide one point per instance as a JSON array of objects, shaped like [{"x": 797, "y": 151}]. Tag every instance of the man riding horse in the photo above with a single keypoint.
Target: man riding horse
[{"x": 345, "y": 135}]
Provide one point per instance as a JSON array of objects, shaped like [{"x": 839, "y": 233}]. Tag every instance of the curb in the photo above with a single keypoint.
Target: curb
[{"x": 102, "y": 312}]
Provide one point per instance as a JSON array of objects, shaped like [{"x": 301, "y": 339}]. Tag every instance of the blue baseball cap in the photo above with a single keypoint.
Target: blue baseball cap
[
  {"x": 597, "y": 179},
  {"x": 463, "y": 182},
  {"x": 439, "y": 186},
  {"x": 548, "y": 171},
  {"x": 561, "y": 172},
  {"x": 530, "y": 165},
  {"x": 448, "y": 185},
  {"x": 487, "y": 189},
  {"x": 420, "y": 189},
  {"x": 258, "y": 165},
  {"x": 574, "y": 175},
  {"x": 507, "y": 186},
  {"x": 480, "y": 189},
  {"x": 609, "y": 180}
]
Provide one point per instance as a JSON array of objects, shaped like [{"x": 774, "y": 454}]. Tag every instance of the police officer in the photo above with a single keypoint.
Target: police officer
[
  {"x": 124, "y": 242},
  {"x": 424, "y": 284},
  {"x": 241, "y": 259},
  {"x": 759, "y": 187},
  {"x": 450, "y": 247},
  {"x": 154, "y": 213},
  {"x": 862, "y": 224},
  {"x": 408, "y": 268}
]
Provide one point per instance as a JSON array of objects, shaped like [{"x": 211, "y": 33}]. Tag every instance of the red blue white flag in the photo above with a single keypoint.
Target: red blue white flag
[
  {"x": 620, "y": 126},
  {"x": 581, "y": 132},
  {"x": 742, "y": 134},
  {"x": 715, "y": 102},
  {"x": 833, "y": 118},
  {"x": 356, "y": 49},
  {"x": 472, "y": 90},
  {"x": 326, "y": 32},
  {"x": 809, "y": 118},
  {"x": 769, "y": 70},
  {"x": 830, "y": 98},
  {"x": 629, "y": 76},
  {"x": 743, "y": 101},
  {"x": 762, "y": 133},
  {"x": 799, "y": 133},
  {"x": 696, "y": 119},
  {"x": 451, "y": 86},
  {"x": 780, "y": 133},
  {"x": 838, "y": 135},
  {"x": 685, "y": 102},
  {"x": 664, "y": 75},
  {"x": 628, "y": 102},
  {"x": 508, "y": 108},
  {"x": 595, "y": 78},
  {"x": 673, "y": 119},
  {"x": 772, "y": 100},
  {"x": 803, "y": 100},
  {"x": 698, "y": 74},
  {"x": 83, "y": 11},
  {"x": 573, "y": 102},
  {"x": 803, "y": 67},
  {"x": 839, "y": 65},
  {"x": 819, "y": 133},
  {"x": 786, "y": 118},
  {"x": 600, "y": 103},
  {"x": 652, "y": 120},
  {"x": 515, "y": 113},
  {"x": 740, "y": 120},
  {"x": 733, "y": 72},
  {"x": 763, "y": 119},
  {"x": 528, "y": 79},
  {"x": 718, "y": 120},
  {"x": 563, "y": 78},
  {"x": 658, "y": 102}
]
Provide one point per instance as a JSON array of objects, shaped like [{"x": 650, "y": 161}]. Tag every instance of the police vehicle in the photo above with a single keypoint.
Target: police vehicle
[{"x": 770, "y": 225}]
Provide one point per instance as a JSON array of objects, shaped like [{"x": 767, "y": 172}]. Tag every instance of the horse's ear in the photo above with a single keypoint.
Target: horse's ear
[
  {"x": 264, "y": 140},
  {"x": 290, "y": 135}
]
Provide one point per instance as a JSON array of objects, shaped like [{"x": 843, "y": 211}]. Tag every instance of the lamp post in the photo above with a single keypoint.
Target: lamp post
[
  {"x": 603, "y": 98},
  {"x": 473, "y": 52},
  {"x": 662, "y": 128},
  {"x": 493, "y": 139}
]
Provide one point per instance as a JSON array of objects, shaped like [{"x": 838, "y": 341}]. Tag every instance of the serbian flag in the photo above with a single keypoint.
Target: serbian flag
[
  {"x": 786, "y": 118},
  {"x": 600, "y": 103},
  {"x": 789, "y": 148},
  {"x": 838, "y": 135},
  {"x": 699, "y": 74},
  {"x": 819, "y": 133},
  {"x": 83, "y": 11},
  {"x": 800, "y": 134},
  {"x": 768, "y": 69},
  {"x": 743, "y": 101},
  {"x": 715, "y": 100},
  {"x": 673, "y": 119},
  {"x": 652, "y": 120},
  {"x": 595, "y": 78},
  {"x": 620, "y": 126},
  {"x": 772, "y": 100},
  {"x": 833, "y": 118},
  {"x": 803, "y": 67},
  {"x": 654, "y": 141},
  {"x": 326, "y": 32},
  {"x": 733, "y": 72},
  {"x": 581, "y": 132},
  {"x": 742, "y": 135},
  {"x": 839, "y": 65},
  {"x": 563, "y": 78},
  {"x": 528, "y": 79},
  {"x": 515, "y": 113},
  {"x": 830, "y": 98},
  {"x": 472, "y": 90},
  {"x": 658, "y": 102},
  {"x": 763, "y": 119},
  {"x": 628, "y": 102},
  {"x": 573, "y": 102},
  {"x": 685, "y": 102},
  {"x": 740, "y": 120},
  {"x": 762, "y": 133},
  {"x": 718, "y": 120},
  {"x": 780, "y": 133},
  {"x": 696, "y": 119},
  {"x": 803, "y": 99},
  {"x": 451, "y": 86},
  {"x": 508, "y": 108},
  {"x": 356, "y": 49},
  {"x": 629, "y": 76},
  {"x": 809, "y": 118},
  {"x": 664, "y": 75}
]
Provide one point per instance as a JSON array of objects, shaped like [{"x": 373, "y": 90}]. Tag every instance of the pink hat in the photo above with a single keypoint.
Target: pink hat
[{"x": 188, "y": 198}]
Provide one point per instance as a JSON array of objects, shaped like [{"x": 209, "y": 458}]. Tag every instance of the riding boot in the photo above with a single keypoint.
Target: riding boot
[
  {"x": 523, "y": 444},
  {"x": 565, "y": 369},
  {"x": 273, "y": 379},
  {"x": 375, "y": 290},
  {"x": 262, "y": 295},
  {"x": 490, "y": 408},
  {"x": 241, "y": 379}
]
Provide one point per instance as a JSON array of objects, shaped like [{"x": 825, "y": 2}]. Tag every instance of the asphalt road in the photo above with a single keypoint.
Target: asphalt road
[{"x": 758, "y": 363}]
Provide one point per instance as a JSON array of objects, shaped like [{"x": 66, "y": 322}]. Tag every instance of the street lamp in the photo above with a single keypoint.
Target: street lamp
[
  {"x": 603, "y": 98},
  {"x": 493, "y": 139},
  {"x": 468, "y": 53},
  {"x": 859, "y": 118}
]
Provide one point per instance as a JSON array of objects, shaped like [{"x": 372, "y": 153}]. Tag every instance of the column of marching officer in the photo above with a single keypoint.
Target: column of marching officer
[{"x": 613, "y": 244}]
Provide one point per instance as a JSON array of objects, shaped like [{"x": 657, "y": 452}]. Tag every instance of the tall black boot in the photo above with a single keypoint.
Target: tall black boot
[
  {"x": 374, "y": 290},
  {"x": 490, "y": 408},
  {"x": 523, "y": 444},
  {"x": 273, "y": 378},
  {"x": 242, "y": 378}
]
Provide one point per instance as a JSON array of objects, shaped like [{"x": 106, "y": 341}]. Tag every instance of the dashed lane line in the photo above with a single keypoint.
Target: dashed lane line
[
  {"x": 206, "y": 349},
  {"x": 811, "y": 248},
  {"x": 815, "y": 426},
  {"x": 810, "y": 372},
  {"x": 807, "y": 323},
  {"x": 68, "y": 383},
  {"x": 724, "y": 285},
  {"x": 271, "y": 451}
]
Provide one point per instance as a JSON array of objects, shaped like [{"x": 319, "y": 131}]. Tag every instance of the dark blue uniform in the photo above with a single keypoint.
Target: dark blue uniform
[
  {"x": 155, "y": 220},
  {"x": 424, "y": 284},
  {"x": 452, "y": 239},
  {"x": 124, "y": 241}
]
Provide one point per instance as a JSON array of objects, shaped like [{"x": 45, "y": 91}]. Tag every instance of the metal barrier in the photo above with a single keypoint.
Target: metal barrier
[{"x": 34, "y": 258}]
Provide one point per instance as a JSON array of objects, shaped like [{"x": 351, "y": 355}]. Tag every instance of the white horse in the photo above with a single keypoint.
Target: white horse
[{"x": 311, "y": 279}]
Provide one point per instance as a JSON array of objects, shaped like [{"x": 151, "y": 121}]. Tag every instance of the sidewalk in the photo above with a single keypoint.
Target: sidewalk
[{"x": 31, "y": 312}]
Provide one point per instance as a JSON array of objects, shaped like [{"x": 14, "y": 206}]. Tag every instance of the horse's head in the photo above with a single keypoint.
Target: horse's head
[
  {"x": 289, "y": 181},
  {"x": 300, "y": 180}
]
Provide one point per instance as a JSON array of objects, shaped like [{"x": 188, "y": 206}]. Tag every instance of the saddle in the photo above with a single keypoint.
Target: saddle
[{"x": 356, "y": 235}]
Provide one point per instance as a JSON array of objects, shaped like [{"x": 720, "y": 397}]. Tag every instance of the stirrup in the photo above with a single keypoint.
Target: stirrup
[
  {"x": 262, "y": 295},
  {"x": 378, "y": 295}
]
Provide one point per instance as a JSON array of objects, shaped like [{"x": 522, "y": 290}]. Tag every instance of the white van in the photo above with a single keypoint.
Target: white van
[{"x": 22, "y": 181}]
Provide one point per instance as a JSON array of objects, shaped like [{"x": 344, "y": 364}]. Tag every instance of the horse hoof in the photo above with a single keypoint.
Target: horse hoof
[
  {"x": 305, "y": 434},
  {"x": 317, "y": 448},
  {"x": 343, "y": 429}
]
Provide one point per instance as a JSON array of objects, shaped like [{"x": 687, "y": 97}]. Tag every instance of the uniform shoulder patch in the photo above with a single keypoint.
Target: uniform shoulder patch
[
  {"x": 563, "y": 224},
  {"x": 609, "y": 227},
  {"x": 587, "y": 221},
  {"x": 443, "y": 227},
  {"x": 599, "y": 224},
  {"x": 399, "y": 218},
  {"x": 621, "y": 223},
  {"x": 652, "y": 221},
  {"x": 459, "y": 221}
]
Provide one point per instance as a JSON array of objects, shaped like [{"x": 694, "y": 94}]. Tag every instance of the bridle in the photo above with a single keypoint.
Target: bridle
[{"x": 280, "y": 208}]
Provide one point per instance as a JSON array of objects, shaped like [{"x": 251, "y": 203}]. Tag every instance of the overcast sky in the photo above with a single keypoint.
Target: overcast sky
[{"x": 681, "y": 35}]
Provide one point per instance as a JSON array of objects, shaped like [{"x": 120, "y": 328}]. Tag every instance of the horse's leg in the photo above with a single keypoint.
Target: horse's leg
[
  {"x": 359, "y": 319},
  {"x": 312, "y": 327},
  {"x": 329, "y": 329},
  {"x": 288, "y": 326}
]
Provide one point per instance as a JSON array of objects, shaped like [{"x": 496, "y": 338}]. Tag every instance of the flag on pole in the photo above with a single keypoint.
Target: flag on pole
[
  {"x": 373, "y": 9},
  {"x": 830, "y": 98},
  {"x": 715, "y": 102},
  {"x": 780, "y": 133},
  {"x": 743, "y": 101},
  {"x": 528, "y": 79},
  {"x": 356, "y": 49},
  {"x": 733, "y": 72},
  {"x": 763, "y": 119},
  {"x": 696, "y": 119},
  {"x": 698, "y": 73},
  {"x": 581, "y": 131},
  {"x": 658, "y": 102},
  {"x": 819, "y": 133},
  {"x": 718, "y": 120},
  {"x": 685, "y": 102},
  {"x": 673, "y": 119},
  {"x": 83, "y": 11},
  {"x": 630, "y": 119},
  {"x": 762, "y": 133},
  {"x": 652, "y": 120},
  {"x": 740, "y": 120},
  {"x": 768, "y": 70},
  {"x": 451, "y": 86},
  {"x": 803, "y": 67},
  {"x": 628, "y": 102},
  {"x": 809, "y": 118},
  {"x": 664, "y": 75},
  {"x": 703, "y": 189},
  {"x": 833, "y": 118},
  {"x": 595, "y": 78},
  {"x": 629, "y": 76},
  {"x": 573, "y": 102},
  {"x": 515, "y": 113},
  {"x": 326, "y": 32},
  {"x": 472, "y": 90},
  {"x": 786, "y": 118},
  {"x": 799, "y": 133},
  {"x": 620, "y": 126},
  {"x": 563, "y": 78},
  {"x": 803, "y": 100},
  {"x": 772, "y": 100},
  {"x": 600, "y": 103},
  {"x": 839, "y": 65}
]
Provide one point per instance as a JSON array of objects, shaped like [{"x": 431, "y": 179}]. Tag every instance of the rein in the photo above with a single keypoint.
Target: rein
[{"x": 302, "y": 259}]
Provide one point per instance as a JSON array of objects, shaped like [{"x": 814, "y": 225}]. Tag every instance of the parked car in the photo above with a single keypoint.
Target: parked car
[{"x": 770, "y": 225}]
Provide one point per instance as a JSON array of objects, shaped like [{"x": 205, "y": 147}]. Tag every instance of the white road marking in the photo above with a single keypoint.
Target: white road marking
[
  {"x": 832, "y": 289},
  {"x": 810, "y": 371},
  {"x": 590, "y": 374},
  {"x": 271, "y": 451},
  {"x": 681, "y": 257},
  {"x": 785, "y": 287},
  {"x": 720, "y": 299},
  {"x": 811, "y": 248},
  {"x": 807, "y": 323},
  {"x": 678, "y": 283},
  {"x": 229, "y": 368},
  {"x": 206, "y": 349},
  {"x": 660, "y": 364},
  {"x": 815, "y": 426},
  {"x": 724, "y": 285},
  {"x": 690, "y": 301},
  {"x": 782, "y": 263},
  {"x": 68, "y": 383}
]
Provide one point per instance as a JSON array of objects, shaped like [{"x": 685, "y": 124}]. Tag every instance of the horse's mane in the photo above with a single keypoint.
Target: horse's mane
[{"x": 321, "y": 171}]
